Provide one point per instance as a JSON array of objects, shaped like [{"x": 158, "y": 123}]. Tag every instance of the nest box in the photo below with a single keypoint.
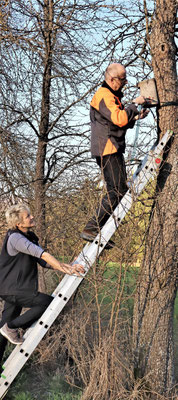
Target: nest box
[{"x": 148, "y": 90}]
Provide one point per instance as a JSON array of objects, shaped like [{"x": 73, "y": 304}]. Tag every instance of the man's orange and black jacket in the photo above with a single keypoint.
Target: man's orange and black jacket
[{"x": 109, "y": 121}]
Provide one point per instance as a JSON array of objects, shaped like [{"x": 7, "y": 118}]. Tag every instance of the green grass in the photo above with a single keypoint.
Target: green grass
[
  {"x": 60, "y": 390},
  {"x": 112, "y": 282},
  {"x": 23, "y": 396},
  {"x": 44, "y": 387}
]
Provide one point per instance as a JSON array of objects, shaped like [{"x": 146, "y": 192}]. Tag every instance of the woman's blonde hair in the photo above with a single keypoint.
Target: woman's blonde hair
[{"x": 13, "y": 214}]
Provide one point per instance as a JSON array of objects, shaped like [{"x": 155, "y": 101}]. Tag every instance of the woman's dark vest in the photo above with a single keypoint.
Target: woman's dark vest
[{"x": 18, "y": 274}]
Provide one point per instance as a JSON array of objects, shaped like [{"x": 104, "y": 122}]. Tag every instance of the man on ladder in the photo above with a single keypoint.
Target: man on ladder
[{"x": 109, "y": 123}]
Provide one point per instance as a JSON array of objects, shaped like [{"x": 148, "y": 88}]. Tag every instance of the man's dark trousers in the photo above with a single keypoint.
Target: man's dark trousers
[{"x": 114, "y": 171}]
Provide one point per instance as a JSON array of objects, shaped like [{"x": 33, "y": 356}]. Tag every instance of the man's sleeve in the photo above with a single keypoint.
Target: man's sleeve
[
  {"x": 104, "y": 102},
  {"x": 131, "y": 111},
  {"x": 18, "y": 243}
]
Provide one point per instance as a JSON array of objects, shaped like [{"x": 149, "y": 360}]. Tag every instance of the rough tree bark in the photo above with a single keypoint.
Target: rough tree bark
[{"x": 154, "y": 304}]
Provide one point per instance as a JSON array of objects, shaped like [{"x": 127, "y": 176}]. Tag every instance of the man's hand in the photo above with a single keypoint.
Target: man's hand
[
  {"x": 142, "y": 114},
  {"x": 141, "y": 100}
]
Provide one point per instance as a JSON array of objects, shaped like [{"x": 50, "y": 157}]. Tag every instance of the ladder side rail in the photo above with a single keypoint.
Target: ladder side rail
[{"x": 155, "y": 149}]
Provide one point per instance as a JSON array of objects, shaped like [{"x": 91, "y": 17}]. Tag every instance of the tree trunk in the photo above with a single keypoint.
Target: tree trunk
[
  {"x": 40, "y": 193},
  {"x": 40, "y": 182},
  {"x": 154, "y": 304}
]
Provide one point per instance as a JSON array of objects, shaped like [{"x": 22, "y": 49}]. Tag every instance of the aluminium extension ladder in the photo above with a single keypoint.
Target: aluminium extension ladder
[{"x": 146, "y": 171}]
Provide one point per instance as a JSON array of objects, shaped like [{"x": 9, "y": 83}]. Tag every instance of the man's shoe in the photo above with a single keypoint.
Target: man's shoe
[
  {"x": 90, "y": 236},
  {"x": 109, "y": 245},
  {"x": 11, "y": 334}
]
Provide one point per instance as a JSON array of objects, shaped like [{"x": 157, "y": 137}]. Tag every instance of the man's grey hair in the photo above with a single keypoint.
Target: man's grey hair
[
  {"x": 109, "y": 73},
  {"x": 112, "y": 70},
  {"x": 13, "y": 214}
]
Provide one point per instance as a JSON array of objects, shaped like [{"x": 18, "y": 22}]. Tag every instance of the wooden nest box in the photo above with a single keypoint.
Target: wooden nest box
[{"x": 148, "y": 90}]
